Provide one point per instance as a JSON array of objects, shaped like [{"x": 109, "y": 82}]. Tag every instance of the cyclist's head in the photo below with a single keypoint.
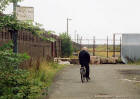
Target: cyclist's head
[{"x": 85, "y": 48}]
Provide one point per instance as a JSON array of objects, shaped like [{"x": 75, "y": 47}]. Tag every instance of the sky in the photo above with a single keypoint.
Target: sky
[{"x": 99, "y": 18}]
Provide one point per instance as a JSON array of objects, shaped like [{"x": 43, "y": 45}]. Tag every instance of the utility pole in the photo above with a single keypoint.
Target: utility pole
[
  {"x": 75, "y": 35},
  {"x": 77, "y": 38},
  {"x": 81, "y": 43},
  {"x": 68, "y": 25},
  {"x": 14, "y": 8},
  {"x": 88, "y": 43},
  {"x": 93, "y": 45},
  {"x": 15, "y": 32}
]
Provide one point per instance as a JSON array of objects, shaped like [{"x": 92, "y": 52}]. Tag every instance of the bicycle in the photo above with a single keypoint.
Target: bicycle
[{"x": 83, "y": 74}]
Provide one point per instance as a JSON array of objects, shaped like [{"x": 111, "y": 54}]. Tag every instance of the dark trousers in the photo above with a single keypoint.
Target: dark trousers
[{"x": 87, "y": 68}]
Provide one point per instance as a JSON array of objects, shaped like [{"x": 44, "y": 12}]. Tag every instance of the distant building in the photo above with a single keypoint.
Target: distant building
[{"x": 130, "y": 50}]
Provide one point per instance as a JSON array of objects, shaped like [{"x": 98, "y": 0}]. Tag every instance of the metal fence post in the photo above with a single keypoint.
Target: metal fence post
[
  {"x": 120, "y": 46},
  {"x": 113, "y": 45},
  {"x": 107, "y": 46}
]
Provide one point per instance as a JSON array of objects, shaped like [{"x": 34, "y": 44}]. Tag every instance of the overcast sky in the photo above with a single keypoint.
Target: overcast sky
[{"x": 89, "y": 17}]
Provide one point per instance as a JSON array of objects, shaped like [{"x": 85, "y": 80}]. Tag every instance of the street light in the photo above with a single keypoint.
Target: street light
[{"x": 68, "y": 25}]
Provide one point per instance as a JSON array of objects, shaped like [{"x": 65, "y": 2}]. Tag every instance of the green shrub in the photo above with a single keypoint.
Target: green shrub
[
  {"x": 18, "y": 83},
  {"x": 15, "y": 83},
  {"x": 66, "y": 45}
]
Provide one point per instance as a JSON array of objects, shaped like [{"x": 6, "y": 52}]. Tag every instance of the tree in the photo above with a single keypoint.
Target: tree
[
  {"x": 66, "y": 45},
  {"x": 14, "y": 25},
  {"x": 4, "y": 3}
]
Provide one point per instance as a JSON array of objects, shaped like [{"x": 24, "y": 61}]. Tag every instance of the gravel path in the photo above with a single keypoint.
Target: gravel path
[{"x": 107, "y": 82}]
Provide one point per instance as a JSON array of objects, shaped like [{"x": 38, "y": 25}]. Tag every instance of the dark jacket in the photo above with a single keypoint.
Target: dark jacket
[{"x": 84, "y": 57}]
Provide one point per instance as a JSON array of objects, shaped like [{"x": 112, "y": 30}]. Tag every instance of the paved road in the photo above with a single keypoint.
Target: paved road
[{"x": 108, "y": 82}]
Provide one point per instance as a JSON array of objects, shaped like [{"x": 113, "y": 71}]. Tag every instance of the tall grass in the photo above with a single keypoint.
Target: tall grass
[
  {"x": 44, "y": 74},
  {"x": 134, "y": 62}
]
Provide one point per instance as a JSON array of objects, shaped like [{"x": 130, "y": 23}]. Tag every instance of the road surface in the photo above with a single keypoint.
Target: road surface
[{"x": 107, "y": 82}]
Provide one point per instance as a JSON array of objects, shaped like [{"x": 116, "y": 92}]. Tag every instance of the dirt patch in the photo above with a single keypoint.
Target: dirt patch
[
  {"x": 131, "y": 74},
  {"x": 102, "y": 94}
]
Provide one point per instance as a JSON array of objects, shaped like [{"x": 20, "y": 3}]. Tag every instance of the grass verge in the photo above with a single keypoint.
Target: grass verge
[
  {"x": 134, "y": 62},
  {"x": 44, "y": 74}
]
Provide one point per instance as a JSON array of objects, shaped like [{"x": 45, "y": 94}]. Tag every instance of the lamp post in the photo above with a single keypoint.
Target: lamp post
[{"x": 68, "y": 25}]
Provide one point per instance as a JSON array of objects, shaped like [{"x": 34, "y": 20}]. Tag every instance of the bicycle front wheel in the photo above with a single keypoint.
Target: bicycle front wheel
[{"x": 82, "y": 78}]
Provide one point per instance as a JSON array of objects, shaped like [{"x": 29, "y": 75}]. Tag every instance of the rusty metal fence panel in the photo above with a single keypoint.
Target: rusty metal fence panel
[{"x": 33, "y": 45}]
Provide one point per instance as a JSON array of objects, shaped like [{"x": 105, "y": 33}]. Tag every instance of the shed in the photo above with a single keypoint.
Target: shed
[{"x": 130, "y": 49}]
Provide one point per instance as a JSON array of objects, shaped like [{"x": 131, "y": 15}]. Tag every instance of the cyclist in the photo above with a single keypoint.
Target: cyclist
[{"x": 84, "y": 59}]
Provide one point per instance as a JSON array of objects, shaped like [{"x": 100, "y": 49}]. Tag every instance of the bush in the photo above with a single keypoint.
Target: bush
[
  {"x": 46, "y": 72},
  {"x": 18, "y": 83},
  {"x": 66, "y": 45},
  {"x": 15, "y": 83}
]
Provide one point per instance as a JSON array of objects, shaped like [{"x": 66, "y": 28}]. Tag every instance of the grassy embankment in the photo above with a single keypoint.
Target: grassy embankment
[
  {"x": 46, "y": 71},
  {"x": 44, "y": 75}
]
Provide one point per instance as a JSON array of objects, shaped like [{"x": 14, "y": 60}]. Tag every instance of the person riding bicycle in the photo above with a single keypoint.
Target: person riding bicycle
[{"x": 84, "y": 60}]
